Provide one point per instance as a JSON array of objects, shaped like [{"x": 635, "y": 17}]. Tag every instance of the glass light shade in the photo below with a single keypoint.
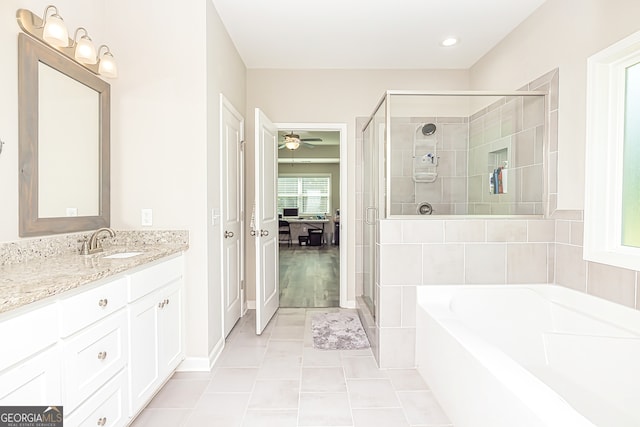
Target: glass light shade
[
  {"x": 55, "y": 32},
  {"x": 292, "y": 144},
  {"x": 107, "y": 67},
  {"x": 85, "y": 51}
]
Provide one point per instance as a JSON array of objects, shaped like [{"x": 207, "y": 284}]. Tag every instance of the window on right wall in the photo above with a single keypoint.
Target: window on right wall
[{"x": 612, "y": 182}]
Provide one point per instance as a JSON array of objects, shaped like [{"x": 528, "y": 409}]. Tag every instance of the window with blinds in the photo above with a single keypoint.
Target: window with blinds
[{"x": 311, "y": 194}]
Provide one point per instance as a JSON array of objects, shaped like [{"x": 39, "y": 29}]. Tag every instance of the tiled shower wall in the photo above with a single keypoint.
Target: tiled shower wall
[
  {"x": 464, "y": 146},
  {"x": 448, "y": 194},
  {"x": 515, "y": 127}
]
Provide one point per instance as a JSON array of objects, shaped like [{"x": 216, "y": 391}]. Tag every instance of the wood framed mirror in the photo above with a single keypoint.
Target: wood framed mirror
[{"x": 64, "y": 143}]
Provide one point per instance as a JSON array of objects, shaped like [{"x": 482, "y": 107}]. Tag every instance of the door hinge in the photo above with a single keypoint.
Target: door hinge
[
  {"x": 241, "y": 145},
  {"x": 242, "y": 285}
]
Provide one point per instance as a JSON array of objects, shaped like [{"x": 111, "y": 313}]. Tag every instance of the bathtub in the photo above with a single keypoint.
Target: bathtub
[{"x": 535, "y": 355}]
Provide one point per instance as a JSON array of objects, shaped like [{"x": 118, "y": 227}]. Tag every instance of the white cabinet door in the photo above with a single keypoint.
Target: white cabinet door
[
  {"x": 143, "y": 350},
  {"x": 170, "y": 339},
  {"x": 155, "y": 330},
  {"x": 35, "y": 381}
]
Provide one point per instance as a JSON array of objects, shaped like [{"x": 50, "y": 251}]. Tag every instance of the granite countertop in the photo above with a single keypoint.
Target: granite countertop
[{"x": 30, "y": 281}]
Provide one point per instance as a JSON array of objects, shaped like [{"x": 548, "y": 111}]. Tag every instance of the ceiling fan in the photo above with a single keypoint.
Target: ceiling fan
[{"x": 292, "y": 141}]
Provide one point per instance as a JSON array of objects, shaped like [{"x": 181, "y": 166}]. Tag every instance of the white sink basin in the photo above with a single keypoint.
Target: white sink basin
[{"x": 122, "y": 255}]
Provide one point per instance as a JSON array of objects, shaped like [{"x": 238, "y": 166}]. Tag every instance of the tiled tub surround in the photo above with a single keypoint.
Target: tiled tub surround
[
  {"x": 417, "y": 253},
  {"x": 35, "y": 269}
]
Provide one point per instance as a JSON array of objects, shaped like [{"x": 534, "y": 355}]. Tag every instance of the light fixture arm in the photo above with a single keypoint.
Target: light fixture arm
[
  {"x": 75, "y": 35},
  {"x": 44, "y": 14},
  {"x": 33, "y": 25},
  {"x": 108, "y": 52}
]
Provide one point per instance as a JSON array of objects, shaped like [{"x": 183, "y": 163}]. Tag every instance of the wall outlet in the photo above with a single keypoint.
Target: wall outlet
[
  {"x": 146, "y": 217},
  {"x": 215, "y": 216}
]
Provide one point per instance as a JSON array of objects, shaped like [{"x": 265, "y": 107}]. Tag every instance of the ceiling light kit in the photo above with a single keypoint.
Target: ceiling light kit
[
  {"x": 52, "y": 30},
  {"x": 292, "y": 141}
]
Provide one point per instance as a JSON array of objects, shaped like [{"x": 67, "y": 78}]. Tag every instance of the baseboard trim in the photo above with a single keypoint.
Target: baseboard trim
[{"x": 202, "y": 364}]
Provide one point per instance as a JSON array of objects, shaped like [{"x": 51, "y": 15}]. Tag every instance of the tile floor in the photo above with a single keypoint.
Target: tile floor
[{"x": 278, "y": 379}]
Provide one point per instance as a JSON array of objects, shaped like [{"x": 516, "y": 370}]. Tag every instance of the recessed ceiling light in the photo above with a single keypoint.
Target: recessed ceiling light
[{"x": 449, "y": 41}]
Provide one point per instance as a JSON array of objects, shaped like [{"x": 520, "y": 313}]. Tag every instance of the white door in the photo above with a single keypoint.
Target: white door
[
  {"x": 266, "y": 221},
  {"x": 231, "y": 170}
]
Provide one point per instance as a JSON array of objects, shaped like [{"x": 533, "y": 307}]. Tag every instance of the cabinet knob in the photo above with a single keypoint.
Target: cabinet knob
[
  {"x": 166, "y": 301},
  {"x": 102, "y": 355},
  {"x": 161, "y": 304},
  {"x": 103, "y": 302},
  {"x": 102, "y": 421},
  {"x": 228, "y": 234}
]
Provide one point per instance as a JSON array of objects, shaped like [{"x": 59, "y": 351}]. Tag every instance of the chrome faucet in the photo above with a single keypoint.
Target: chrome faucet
[{"x": 94, "y": 246}]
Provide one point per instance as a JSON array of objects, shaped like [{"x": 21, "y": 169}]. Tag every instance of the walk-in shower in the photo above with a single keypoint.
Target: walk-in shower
[{"x": 427, "y": 154}]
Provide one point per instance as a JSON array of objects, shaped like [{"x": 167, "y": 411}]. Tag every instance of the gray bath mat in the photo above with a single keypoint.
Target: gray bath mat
[{"x": 338, "y": 331}]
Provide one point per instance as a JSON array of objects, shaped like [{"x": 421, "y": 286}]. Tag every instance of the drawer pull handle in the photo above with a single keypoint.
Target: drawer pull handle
[
  {"x": 102, "y": 421},
  {"x": 161, "y": 304},
  {"x": 166, "y": 301},
  {"x": 102, "y": 355},
  {"x": 103, "y": 302}
]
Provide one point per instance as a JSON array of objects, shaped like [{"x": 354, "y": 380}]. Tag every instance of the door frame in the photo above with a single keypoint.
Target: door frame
[{"x": 344, "y": 201}]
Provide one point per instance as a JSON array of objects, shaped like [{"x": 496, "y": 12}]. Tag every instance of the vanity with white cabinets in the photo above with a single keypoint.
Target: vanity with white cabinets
[{"x": 101, "y": 349}]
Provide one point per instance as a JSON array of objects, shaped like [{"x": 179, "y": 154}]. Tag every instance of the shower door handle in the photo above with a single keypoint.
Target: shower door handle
[{"x": 366, "y": 216}]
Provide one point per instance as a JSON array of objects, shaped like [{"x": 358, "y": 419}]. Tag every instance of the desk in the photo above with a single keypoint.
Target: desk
[{"x": 300, "y": 226}]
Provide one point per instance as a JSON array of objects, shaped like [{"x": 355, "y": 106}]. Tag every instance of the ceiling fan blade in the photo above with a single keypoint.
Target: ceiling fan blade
[
  {"x": 281, "y": 146},
  {"x": 311, "y": 139},
  {"x": 306, "y": 144}
]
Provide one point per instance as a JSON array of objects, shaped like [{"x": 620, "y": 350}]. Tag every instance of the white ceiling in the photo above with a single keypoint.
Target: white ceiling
[{"x": 368, "y": 34}]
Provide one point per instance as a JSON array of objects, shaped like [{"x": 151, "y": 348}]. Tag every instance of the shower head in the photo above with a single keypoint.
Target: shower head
[{"x": 428, "y": 129}]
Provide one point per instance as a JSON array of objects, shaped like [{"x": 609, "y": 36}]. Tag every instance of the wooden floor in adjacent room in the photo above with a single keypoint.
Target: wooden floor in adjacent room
[{"x": 309, "y": 276}]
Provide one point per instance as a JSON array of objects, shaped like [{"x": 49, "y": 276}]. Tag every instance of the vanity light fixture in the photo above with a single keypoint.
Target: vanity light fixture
[
  {"x": 107, "y": 65},
  {"x": 85, "y": 51},
  {"x": 52, "y": 31}
]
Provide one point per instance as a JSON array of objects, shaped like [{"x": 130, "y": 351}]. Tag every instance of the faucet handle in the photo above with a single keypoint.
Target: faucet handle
[{"x": 84, "y": 249}]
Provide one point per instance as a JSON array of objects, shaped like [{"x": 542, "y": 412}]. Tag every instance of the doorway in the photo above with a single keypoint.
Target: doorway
[
  {"x": 308, "y": 203},
  {"x": 312, "y": 178},
  {"x": 264, "y": 219}
]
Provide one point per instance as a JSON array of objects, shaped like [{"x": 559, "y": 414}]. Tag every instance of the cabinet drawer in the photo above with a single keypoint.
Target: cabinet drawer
[
  {"x": 35, "y": 381},
  {"x": 27, "y": 333},
  {"x": 148, "y": 280},
  {"x": 93, "y": 356},
  {"x": 105, "y": 408},
  {"x": 92, "y": 305}
]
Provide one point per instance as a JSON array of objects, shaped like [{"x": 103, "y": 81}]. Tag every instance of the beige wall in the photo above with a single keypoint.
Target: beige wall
[
  {"x": 166, "y": 139},
  {"x": 165, "y": 130},
  {"x": 561, "y": 33},
  {"x": 330, "y": 96}
]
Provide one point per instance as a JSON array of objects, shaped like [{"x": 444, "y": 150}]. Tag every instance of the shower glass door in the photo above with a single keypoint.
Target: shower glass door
[{"x": 373, "y": 146}]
